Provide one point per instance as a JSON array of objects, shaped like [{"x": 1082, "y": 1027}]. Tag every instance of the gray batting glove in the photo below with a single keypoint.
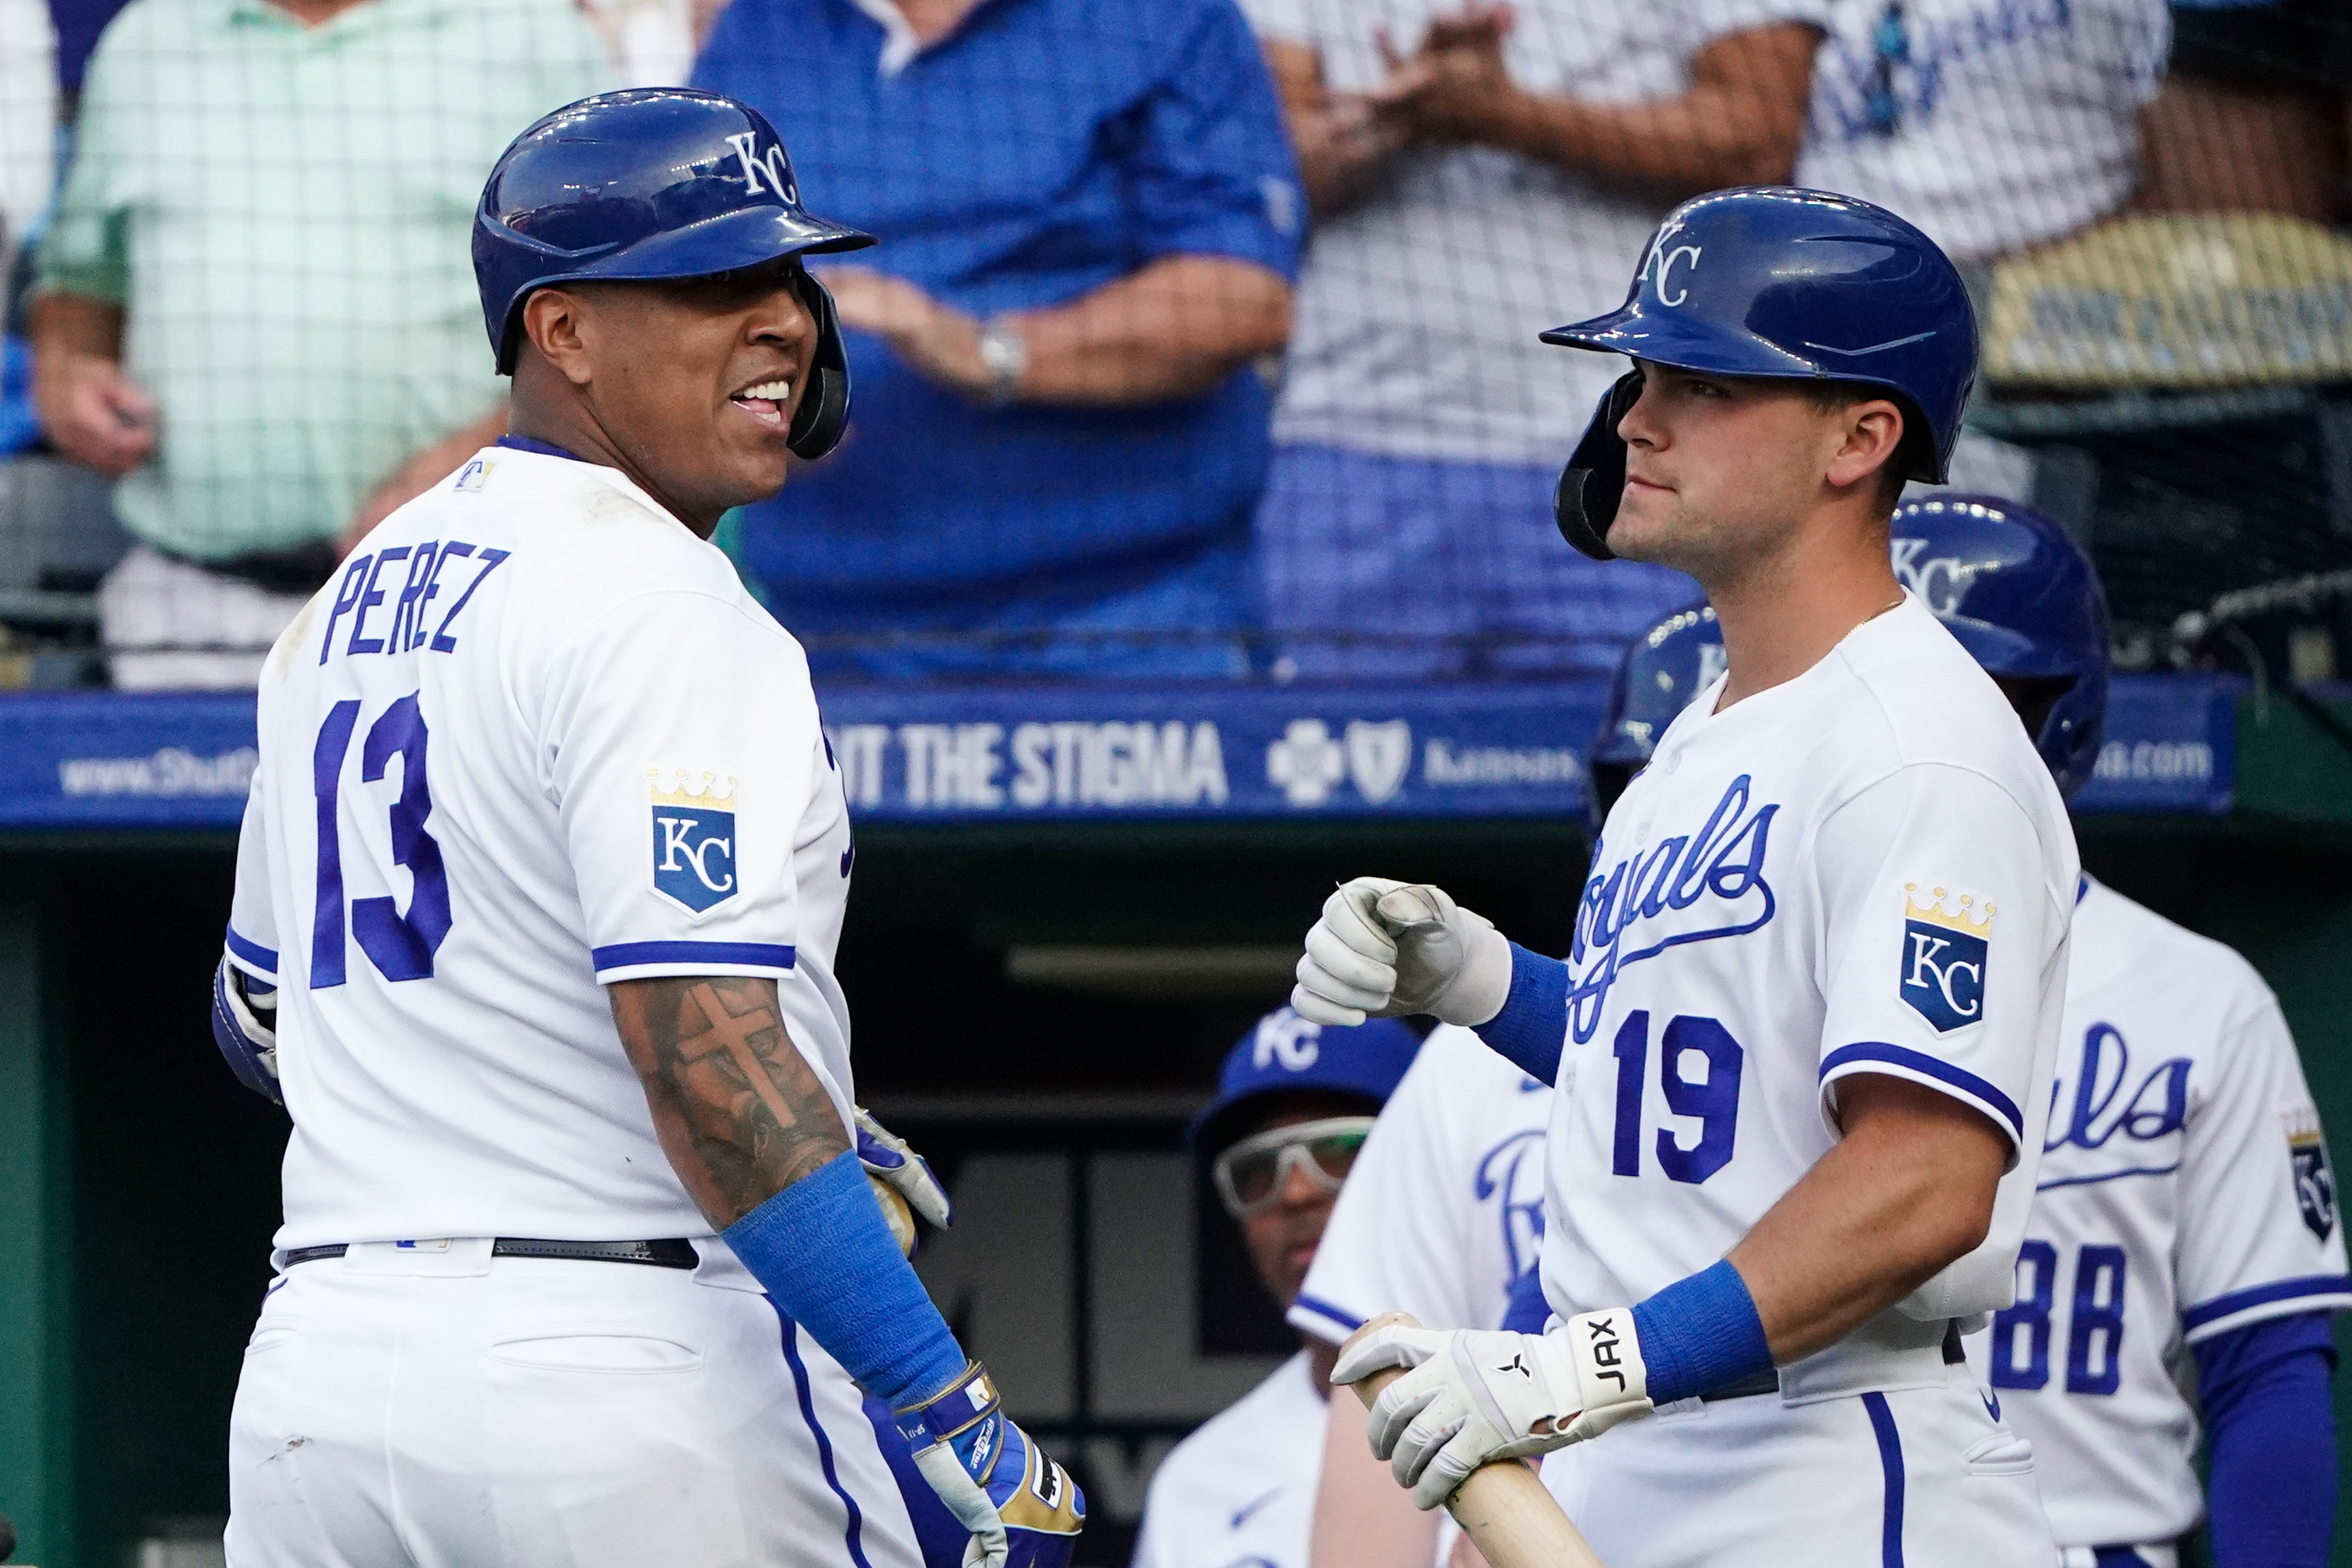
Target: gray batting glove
[{"x": 1387, "y": 949}]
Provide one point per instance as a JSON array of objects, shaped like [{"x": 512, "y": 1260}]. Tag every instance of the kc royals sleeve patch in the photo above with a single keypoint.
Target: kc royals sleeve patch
[
  {"x": 694, "y": 838},
  {"x": 2314, "y": 1184},
  {"x": 1946, "y": 945}
]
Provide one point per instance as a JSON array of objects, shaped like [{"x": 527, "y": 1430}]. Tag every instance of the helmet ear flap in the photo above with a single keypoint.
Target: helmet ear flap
[
  {"x": 824, "y": 412},
  {"x": 1585, "y": 503}
]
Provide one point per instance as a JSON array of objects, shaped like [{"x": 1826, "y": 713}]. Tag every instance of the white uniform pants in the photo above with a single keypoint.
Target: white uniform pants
[
  {"x": 1918, "y": 1478},
  {"x": 433, "y": 1406}
]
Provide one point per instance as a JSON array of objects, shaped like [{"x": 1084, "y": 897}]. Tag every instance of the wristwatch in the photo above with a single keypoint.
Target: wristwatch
[{"x": 1004, "y": 354}]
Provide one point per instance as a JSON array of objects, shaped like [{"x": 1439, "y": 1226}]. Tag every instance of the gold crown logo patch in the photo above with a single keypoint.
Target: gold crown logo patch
[
  {"x": 1962, "y": 919},
  {"x": 704, "y": 788}
]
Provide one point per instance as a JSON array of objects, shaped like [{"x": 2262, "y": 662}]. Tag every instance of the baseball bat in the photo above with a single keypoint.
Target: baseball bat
[{"x": 1503, "y": 1508}]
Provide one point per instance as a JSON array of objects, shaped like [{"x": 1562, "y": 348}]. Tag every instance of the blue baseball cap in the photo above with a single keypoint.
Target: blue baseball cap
[{"x": 1286, "y": 1054}]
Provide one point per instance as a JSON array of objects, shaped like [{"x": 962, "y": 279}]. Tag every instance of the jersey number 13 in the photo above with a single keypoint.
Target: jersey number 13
[{"x": 400, "y": 946}]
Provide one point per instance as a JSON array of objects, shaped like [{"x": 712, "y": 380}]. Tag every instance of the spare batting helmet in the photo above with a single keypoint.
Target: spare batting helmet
[
  {"x": 1779, "y": 282},
  {"x": 1667, "y": 665},
  {"x": 652, "y": 184},
  {"x": 2023, "y": 599}
]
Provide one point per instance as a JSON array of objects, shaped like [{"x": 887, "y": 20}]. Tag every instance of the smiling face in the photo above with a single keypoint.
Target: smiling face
[
  {"x": 689, "y": 385},
  {"x": 1722, "y": 471}
]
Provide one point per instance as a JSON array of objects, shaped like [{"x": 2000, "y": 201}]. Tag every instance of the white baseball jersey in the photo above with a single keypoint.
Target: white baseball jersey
[
  {"x": 534, "y": 738},
  {"x": 2184, "y": 1191},
  {"x": 2005, "y": 124},
  {"x": 1411, "y": 336},
  {"x": 1864, "y": 869},
  {"x": 1444, "y": 1205},
  {"x": 1240, "y": 1492}
]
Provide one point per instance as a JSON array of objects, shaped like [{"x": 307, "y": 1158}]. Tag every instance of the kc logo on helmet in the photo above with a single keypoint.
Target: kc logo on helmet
[
  {"x": 773, "y": 164},
  {"x": 1944, "y": 957},
  {"x": 694, "y": 838},
  {"x": 1664, "y": 258}
]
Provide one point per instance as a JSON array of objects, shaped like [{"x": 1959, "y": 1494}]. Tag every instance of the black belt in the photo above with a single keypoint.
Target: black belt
[
  {"x": 1769, "y": 1382},
  {"x": 671, "y": 1252}
]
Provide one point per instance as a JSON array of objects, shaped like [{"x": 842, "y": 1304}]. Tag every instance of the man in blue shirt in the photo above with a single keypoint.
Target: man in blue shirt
[{"x": 1089, "y": 217}]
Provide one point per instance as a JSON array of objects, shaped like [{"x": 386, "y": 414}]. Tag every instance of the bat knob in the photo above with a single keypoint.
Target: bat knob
[
  {"x": 1367, "y": 1387},
  {"x": 7, "y": 1539}
]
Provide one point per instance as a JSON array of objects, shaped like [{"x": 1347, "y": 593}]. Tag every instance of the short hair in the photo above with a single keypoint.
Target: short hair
[{"x": 1911, "y": 452}]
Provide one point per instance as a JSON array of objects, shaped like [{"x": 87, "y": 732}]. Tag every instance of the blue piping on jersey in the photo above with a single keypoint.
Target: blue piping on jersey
[
  {"x": 2109, "y": 1176},
  {"x": 854, "y": 1535},
  {"x": 623, "y": 954},
  {"x": 544, "y": 448},
  {"x": 1890, "y": 1462},
  {"x": 253, "y": 953},
  {"x": 2196, "y": 1317},
  {"x": 1935, "y": 1067},
  {"x": 1325, "y": 1310}
]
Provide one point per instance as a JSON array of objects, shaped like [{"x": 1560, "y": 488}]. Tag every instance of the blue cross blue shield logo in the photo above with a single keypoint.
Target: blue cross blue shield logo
[
  {"x": 1944, "y": 958},
  {"x": 694, "y": 840}
]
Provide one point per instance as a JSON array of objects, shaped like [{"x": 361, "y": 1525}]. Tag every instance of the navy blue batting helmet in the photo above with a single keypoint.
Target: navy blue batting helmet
[
  {"x": 2023, "y": 599},
  {"x": 651, "y": 184},
  {"x": 1781, "y": 282},
  {"x": 1667, "y": 665}
]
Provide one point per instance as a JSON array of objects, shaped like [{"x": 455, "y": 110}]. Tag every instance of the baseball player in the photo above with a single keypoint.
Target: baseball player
[
  {"x": 1444, "y": 1214},
  {"x": 537, "y": 899},
  {"x": 2185, "y": 1195},
  {"x": 1295, "y": 1103},
  {"x": 1813, "y": 998}
]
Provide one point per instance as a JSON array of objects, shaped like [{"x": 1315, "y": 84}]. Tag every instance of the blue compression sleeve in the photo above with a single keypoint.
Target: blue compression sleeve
[
  {"x": 2271, "y": 1500},
  {"x": 1700, "y": 1335},
  {"x": 1532, "y": 1028},
  {"x": 827, "y": 1256}
]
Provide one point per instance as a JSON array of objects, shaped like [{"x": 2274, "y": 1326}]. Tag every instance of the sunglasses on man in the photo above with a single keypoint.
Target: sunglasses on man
[{"x": 1252, "y": 1174}]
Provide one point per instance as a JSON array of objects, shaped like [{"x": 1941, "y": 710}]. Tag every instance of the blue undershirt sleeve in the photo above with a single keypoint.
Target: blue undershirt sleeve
[
  {"x": 2270, "y": 1500},
  {"x": 1532, "y": 1028},
  {"x": 826, "y": 1256},
  {"x": 1527, "y": 1311}
]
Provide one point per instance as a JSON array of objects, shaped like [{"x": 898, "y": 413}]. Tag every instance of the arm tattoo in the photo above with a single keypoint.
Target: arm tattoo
[{"x": 739, "y": 1111}]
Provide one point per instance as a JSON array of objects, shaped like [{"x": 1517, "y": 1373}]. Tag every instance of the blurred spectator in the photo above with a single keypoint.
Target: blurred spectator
[
  {"x": 79, "y": 25},
  {"x": 256, "y": 304},
  {"x": 2252, "y": 115},
  {"x": 1295, "y": 1103},
  {"x": 28, "y": 124},
  {"x": 1088, "y": 218},
  {"x": 653, "y": 42},
  {"x": 1500, "y": 178},
  {"x": 1994, "y": 125}
]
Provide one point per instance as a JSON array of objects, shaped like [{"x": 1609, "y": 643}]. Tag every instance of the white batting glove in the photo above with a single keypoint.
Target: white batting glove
[
  {"x": 1475, "y": 1395},
  {"x": 1386, "y": 949}
]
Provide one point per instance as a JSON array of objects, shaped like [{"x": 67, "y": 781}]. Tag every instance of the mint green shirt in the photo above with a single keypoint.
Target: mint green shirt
[{"x": 285, "y": 213}]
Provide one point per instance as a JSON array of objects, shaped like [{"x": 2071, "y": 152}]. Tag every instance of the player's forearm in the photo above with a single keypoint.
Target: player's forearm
[
  {"x": 1739, "y": 124},
  {"x": 1907, "y": 1191},
  {"x": 1362, "y": 1519},
  {"x": 1175, "y": 329},
  {"x": 67, "y": 324},
  {"x": 739, "y": 1111}
]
